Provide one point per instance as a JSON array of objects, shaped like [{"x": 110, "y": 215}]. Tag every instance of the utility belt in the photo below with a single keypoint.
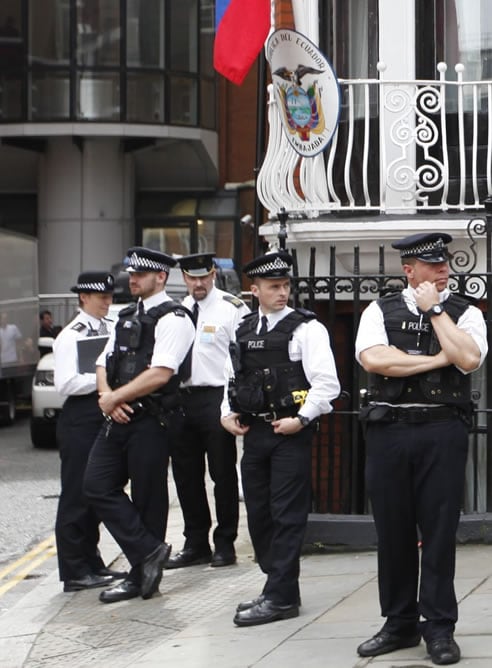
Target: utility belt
[
  {"x": 161, "y": 407},
  {"x": 271, "y": 416},
  {"x": 196, "y": 389},
  {"x": 411, "y": 414}
]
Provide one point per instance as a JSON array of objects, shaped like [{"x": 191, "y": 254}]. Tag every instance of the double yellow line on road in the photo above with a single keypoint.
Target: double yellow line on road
[{"x": 27, "y": 563}]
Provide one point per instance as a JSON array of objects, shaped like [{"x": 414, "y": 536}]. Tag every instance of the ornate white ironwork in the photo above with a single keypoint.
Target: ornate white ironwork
[{"x": 401, "y": 147}]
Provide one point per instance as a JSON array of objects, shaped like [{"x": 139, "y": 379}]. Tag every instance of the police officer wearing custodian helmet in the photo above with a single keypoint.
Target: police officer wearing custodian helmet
[
  {"x": 138, "y": 378},
  {"x": 284, "y": 378},
  {"x": 419, "y": 347},
  {"x": 77, "y": 526}
]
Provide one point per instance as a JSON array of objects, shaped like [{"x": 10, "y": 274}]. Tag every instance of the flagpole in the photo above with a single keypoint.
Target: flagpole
[{"x": 260, "y": 143}]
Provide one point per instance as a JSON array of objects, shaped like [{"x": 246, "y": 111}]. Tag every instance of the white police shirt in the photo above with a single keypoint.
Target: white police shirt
[
  {"x": 310, "y": 344},
  {"x": 219, "y": 315},
  {"x": 68, "y": 380},
  {"x": 372, "y": 332},
  {"x": 173, "y": 337}
]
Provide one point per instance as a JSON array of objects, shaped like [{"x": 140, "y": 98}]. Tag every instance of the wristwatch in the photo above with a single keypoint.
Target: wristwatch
[
  {"x": 436, "y": 309},
  {"x": 303, "y": 420}
]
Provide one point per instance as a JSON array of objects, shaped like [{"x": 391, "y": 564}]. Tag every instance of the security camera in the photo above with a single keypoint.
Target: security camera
[{"x": 247, "y": 220}]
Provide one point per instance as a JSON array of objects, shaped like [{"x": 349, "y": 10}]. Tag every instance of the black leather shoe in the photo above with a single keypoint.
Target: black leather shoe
[
  {"x": 444, "y": 650},
  {"x": 223, "y": 558},
  {"x": 246, "y": 605},
  {"x": 152, "y": 567},
  {"x": 188, "y": 557},
  {"x": 116, "y": 575},
  {"x": 90, "y": 581},
  {"x": 264, "y": 613},
  {"x": 120, "y": 592},
  {"x": 384, "y": 642}
]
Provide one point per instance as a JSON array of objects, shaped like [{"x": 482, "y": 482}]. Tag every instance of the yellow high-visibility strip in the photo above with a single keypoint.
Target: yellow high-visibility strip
[{"x": 44, "y": 550}]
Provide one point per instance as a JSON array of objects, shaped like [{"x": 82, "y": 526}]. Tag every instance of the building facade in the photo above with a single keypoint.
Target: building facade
[{"x": 109, "y": 129}]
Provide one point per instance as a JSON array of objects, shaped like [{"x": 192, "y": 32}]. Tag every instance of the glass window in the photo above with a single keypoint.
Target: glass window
[
  {"x": 467, "y": 37},
  {"x": 49, "y": 96},
  {"x": 98, "y": 96},
  {"x": 10, "y": 95},
  {"x": 173, "y": 239},
  {"x": 11, "y": 42},
  {"x": 207, "y": 105},
  {"x": 51, "y": 45},
  {"x": 183, "y": 35},
  {"x": 216, "y": 236},
  {"x": 145, "y": 33},
  {"x": 98, "y": 32},
  {"x": 145, "y": 98},
  {"x": 207, "y": 35},
  {"x": 183, "y": 103}
]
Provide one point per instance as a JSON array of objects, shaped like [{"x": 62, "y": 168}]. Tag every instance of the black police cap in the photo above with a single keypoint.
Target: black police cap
[
  {"x": 94, "y": 281},
  {"x": 140, "y": 259},
  {"x": 427, "y": 247},
  {"x": 270, "y": 265},
  {"x": 198, "y": 264}
]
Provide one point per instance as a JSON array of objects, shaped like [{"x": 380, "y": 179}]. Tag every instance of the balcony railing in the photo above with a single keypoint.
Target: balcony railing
[{"x": 401, "y": 147}]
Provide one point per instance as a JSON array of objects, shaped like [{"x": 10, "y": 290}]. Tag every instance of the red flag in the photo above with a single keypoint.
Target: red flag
[{"x": 240, "y": 35}]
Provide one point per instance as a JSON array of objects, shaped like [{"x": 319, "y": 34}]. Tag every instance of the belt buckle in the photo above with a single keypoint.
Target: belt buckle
[{"x": 269, "y": 417}]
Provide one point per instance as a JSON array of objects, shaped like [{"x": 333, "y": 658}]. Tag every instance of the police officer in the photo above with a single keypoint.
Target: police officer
[
  {"x": 138, "y": 378},
  {"x": 419, "y": 347},
  {"x": 77, "y": 527},
  {"x": 218, "y": 314},
  {"x": 284, "y": 379}
]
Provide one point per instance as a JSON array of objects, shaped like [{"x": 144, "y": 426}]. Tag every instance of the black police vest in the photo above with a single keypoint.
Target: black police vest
[
  {"x": 414, "y": 334},
  {"x": 266, "y": 379},
  {"x": 134, "y": 345}
]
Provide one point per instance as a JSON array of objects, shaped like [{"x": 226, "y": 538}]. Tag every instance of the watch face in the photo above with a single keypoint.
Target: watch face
[{"x": 437, "y": 309}]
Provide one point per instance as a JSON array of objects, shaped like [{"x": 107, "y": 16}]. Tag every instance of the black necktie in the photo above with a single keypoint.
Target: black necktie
[
  {"x": 141, "y": 309},
  {"x": 195, "y": 312},
  {"x": 264, "y": 325}
]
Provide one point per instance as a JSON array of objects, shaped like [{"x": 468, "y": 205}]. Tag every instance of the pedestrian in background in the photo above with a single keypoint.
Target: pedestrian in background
[
  {"x": 77, "y": 525},
  {"x": 203, "y": 441},
  {"x": 138, "y": 381},
  {"x": 284, "y": 378},
  {"x": 419, "y": 347}
]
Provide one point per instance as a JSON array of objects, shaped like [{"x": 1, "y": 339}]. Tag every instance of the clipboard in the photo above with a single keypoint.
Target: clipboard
[{"x": 88, "y": 350}]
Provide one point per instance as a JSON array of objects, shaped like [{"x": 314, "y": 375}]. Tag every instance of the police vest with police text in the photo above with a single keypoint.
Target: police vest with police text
[
  {"x": 266, "y": 379},
  {"x": 413, "y": 333}
]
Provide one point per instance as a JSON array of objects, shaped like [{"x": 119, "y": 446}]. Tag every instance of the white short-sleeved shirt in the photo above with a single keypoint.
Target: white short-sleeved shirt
[
  {"x": 173, "y": 337},
  {"x": 68, "y": 380},
  {"x": 372, "y": 332},
  {"x": 310, "y": 344},
  {"x": 219, "y": 315}
]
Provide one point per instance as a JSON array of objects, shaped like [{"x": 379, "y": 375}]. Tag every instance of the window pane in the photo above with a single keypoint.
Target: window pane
[
  {"x": 468, "y": 37},
  {"x": 11, "y": 44},
  {"x": 145, "y": 98},
  {"x": 183, "y": 102},
  {"x": 98, "y": 32},
  {"x": 216, "y": 236},
  {"x": 207, "y": 105},
  {"x": 207, "y": 35},
  {"x": 145, "y": 33},
  {"x": 51, "y": 45},
  {"x": 10, "y": 95},
  {"x": 168, "y": 239},
  {"x": 49, "y": 96},
  {"x": 183, "y": 35},
  {"x": 98, "y": 96}
]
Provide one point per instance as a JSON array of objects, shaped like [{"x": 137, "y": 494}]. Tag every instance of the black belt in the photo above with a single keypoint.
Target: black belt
[
  {"x": 192, "y": 389},
  {"x": 416, "y": 414},
  {"x": 270, "y": 416}
]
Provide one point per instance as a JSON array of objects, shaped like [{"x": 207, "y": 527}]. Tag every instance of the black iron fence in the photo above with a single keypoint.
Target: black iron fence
[{"x": 339, "y": 449}]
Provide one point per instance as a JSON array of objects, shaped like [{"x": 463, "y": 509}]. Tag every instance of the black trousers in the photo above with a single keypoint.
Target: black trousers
[
  {"x": 276, "y": 476},
  {"x": 139, "y": 452},
  {"x": 77, "y": 526},
  {"x": 203, "y": 440},
  {"x": 415, "y": 478}
]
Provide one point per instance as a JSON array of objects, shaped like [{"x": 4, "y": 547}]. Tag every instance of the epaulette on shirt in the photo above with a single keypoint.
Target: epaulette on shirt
[
  {"x": 235, "y": 301},
  {"x": 79, "y": 327}
]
